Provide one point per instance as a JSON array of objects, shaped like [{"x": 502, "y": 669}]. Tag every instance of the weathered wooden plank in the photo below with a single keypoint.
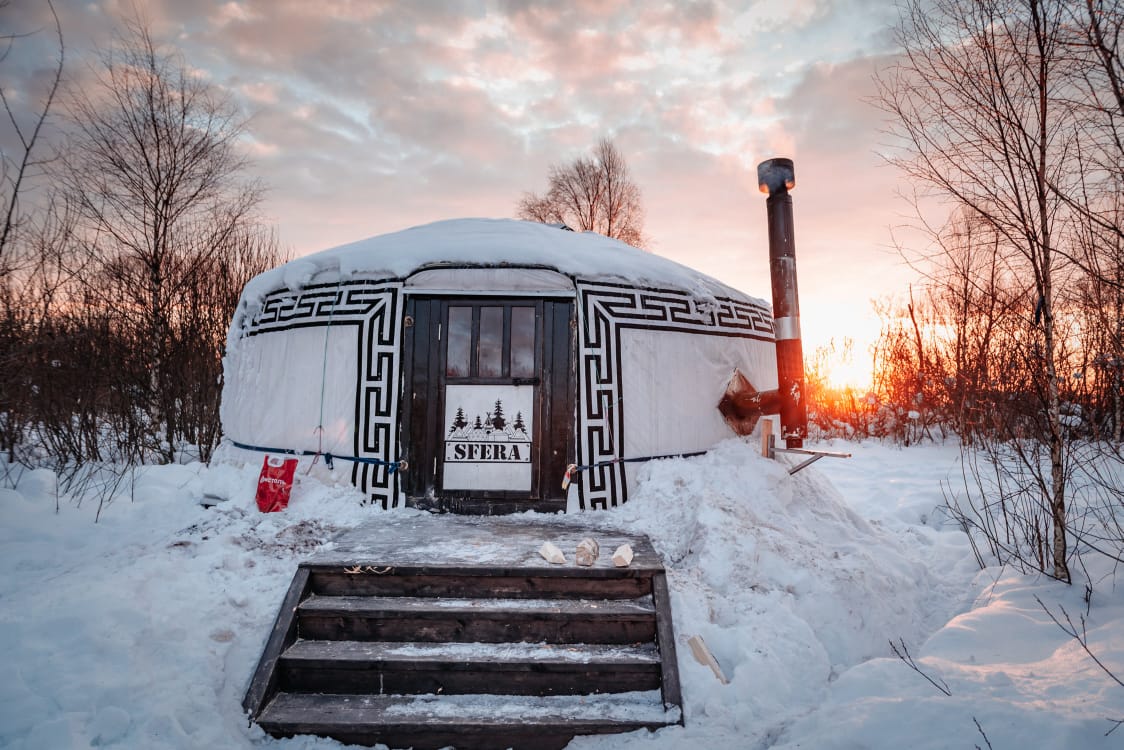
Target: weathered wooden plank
[
  {"x": 461, "y": 721},
  {"x": 497, "y": 655},
  {"x": 389, "y": 606},
  {"x": 665, "y": 639},
  {"x": 481, "y": 620},
  {"x": 421, "y": 678},
  {"x": 460, "y": 545},
  {"x": 264, "y": 681},
  {"x": 338, "y": 582},
  {"x": 468, "y": 739},
  {"x": 452, "y": 668}
]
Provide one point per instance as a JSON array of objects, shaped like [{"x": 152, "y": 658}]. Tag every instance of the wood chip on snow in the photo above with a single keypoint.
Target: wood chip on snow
[
  {"x": 587, "y": 552},
  {"x": 552, "y": 554},
  {"x": 622, "y": 558}
]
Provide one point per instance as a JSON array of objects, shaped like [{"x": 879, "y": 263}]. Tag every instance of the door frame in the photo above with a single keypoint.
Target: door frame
[{"x": 423, "y": 404}]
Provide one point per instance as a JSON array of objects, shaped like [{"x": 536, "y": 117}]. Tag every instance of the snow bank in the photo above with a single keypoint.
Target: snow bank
[
  {"x": 788, "y": 586},
  {"x": 1011, "y": 675},
  {"x": 142, "y": 630}
]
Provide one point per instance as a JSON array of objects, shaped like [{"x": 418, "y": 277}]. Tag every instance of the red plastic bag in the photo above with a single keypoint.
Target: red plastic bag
[{"x": 275, "y": 483}]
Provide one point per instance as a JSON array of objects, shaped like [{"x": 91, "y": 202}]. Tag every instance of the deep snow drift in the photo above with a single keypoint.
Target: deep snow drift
[{"x": 142, "y": 630}]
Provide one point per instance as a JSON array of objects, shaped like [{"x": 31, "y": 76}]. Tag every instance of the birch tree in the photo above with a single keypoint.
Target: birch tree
[
  {"x": 155, "y": 171},
  {"x": 979, "y": 123}
]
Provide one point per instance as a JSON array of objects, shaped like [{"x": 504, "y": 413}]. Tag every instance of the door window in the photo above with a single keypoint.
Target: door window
[
  {"x": 491, "y": 342},
  {"x": 522, "y": 342},
  {"x": 458, "y": 359}
]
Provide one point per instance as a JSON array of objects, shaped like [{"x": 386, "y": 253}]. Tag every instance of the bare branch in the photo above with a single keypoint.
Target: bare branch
[
  {"x": 28, "y": 142},
  {"x": 1081, "y": 636},
  {"x": 982, "y": 734},
  {"x": 905, "y": 656}
]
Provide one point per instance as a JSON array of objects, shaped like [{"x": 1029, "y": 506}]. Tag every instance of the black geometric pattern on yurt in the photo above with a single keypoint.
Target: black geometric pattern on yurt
[
  {"x": 606, "y": 309},
  {"x": 381, "y": 368},
  {"x": 374, "y": 310},
  {"x": 347, "y": 302}
]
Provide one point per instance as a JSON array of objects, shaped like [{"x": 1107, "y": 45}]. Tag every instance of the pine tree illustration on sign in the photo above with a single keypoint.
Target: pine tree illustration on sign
[{"x": 459, "y": 421}]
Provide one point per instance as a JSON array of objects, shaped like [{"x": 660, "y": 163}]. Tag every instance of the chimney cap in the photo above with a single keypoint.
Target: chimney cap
[{"x": 776, "y": 175}]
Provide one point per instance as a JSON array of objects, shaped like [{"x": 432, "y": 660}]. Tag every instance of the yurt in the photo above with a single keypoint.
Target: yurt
[{"x": 488, "y": 365}]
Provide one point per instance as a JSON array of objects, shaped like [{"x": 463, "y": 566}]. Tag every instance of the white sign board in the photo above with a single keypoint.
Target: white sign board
[{"x": 488, "y": 431}]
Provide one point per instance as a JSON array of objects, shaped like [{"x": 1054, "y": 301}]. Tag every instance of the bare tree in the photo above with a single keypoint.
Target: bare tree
[
  {"x": 593, "y": 193},
  {"x": 199, "y": 332},
  {"x": 975, "y": 107},
  {"x": 1094, "y": 78},
  {"x": 156, "y": 174},
  {"x": 22, "y": 257},
  {"x": 16, "y": 169}
]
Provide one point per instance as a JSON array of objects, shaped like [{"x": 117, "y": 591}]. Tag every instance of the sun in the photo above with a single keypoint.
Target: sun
[
  {"x": 837, "y": 366},
  {"x": 850, "y": 375},
  {"x": 838, "y": 345}
]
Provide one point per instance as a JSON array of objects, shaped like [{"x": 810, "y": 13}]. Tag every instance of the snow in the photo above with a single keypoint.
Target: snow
[
  {"x": 497, "y": 652},
  {"x": 142, "y": 630},
  {"x": 486, "y": 243}
]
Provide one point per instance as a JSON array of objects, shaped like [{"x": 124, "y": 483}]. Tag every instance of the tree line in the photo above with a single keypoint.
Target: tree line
[
  {"x": 1011, "y": 116},
  {"x": 128, "y": 236}
]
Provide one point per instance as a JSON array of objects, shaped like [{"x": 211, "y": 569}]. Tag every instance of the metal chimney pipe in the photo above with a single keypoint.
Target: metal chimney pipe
[{"x": 776, "y": 177}]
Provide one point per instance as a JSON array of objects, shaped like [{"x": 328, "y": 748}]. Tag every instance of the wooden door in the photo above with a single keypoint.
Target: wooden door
[{"x": 488, "y": 420}]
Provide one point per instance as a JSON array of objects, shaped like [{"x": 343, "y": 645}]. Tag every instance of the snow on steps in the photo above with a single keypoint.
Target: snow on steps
[
  {"x": 480, "y": 620},
  {"x": 459, "y": 668},
  {"x": 464, "y": 721},
  {"x": 371, "y": 648}
]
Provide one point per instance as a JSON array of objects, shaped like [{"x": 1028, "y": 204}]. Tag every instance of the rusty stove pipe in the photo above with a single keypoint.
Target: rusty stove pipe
[{"x": 776, "y": 177}]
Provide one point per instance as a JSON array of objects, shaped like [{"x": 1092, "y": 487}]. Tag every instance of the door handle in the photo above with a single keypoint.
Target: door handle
[{"x": 525, "y": 381}]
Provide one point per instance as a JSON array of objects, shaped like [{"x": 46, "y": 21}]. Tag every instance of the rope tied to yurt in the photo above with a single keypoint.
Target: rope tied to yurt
[
  {"x": 573, "y": 469},
  {"x": 323, "y": 384},
  {"x": 329, "y": 458}
]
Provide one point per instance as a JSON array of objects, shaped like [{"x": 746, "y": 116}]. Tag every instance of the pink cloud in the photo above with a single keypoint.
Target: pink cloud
[{"x": 372, "y": 116}]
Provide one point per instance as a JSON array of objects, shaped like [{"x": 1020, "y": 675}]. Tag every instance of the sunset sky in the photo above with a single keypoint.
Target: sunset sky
[{"x": 368, "y": 117}]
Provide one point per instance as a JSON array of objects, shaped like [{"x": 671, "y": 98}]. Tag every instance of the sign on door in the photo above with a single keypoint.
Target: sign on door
[{"x": 488, "y": 437}]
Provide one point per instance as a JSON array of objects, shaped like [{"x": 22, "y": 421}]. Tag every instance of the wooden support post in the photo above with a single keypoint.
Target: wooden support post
[
  {"x": 766, "y": 433},
  {"x": 263, "y": 685}
]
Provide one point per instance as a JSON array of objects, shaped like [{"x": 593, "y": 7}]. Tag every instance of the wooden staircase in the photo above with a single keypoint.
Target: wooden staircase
[{"x": 486, "y": 646}]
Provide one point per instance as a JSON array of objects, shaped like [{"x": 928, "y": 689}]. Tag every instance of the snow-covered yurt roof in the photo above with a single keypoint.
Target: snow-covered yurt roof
[{"x": 489, "y": 243}]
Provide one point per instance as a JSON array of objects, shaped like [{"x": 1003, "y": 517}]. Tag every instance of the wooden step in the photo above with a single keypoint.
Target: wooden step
[
  {"x": 430, "y": 632},
  {"x": 373, "y": 581},
  {"x": 487, "y": 620},
  {"x": 459, "y": 668},
  {"x": 462, "y": 721}
]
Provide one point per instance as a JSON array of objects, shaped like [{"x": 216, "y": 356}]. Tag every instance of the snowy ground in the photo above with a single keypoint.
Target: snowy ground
[{"x": 141, "y": 631}]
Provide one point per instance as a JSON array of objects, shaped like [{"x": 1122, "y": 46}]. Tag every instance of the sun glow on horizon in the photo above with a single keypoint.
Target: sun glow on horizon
[
  {"x": 849, "y": 375},
  {"x": 837, "y": 346}
]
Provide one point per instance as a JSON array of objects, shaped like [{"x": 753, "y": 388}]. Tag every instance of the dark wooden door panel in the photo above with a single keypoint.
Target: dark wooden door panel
[{"x": 474, "y": 350}]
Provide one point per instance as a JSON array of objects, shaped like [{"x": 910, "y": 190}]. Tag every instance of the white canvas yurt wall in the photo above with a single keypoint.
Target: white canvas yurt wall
[{"x": 315, "y": 358}]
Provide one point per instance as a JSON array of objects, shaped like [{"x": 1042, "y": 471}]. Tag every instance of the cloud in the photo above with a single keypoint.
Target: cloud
[{"x": 369, "y": 116}]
